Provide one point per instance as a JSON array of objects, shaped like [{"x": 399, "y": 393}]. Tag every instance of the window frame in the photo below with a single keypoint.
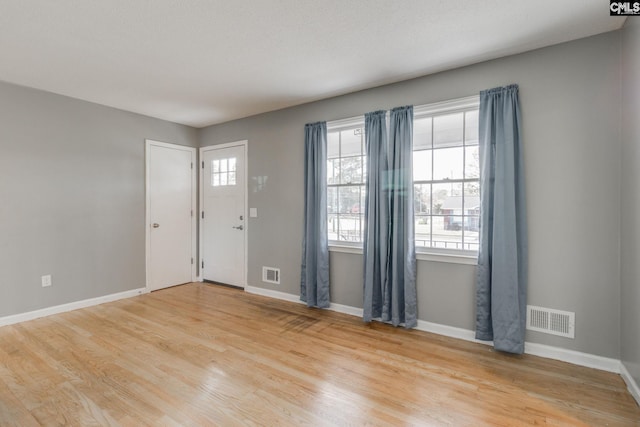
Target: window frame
[
  {"x": 458, "y": 256},
  {"x": 454, "y": 106},
  {"x": 340, "y": 126}
]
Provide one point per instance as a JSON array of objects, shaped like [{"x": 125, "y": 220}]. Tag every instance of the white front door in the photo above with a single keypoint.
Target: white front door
[
  {"x": 223, "y": 221},
  {"x": 170, "y": 214}
]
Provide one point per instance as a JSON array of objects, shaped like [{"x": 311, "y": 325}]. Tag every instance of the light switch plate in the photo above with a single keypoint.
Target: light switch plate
[{"x": 253, "y": 212}]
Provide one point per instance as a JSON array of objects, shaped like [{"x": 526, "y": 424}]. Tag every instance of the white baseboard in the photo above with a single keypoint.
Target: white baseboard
[
  {"x": 535, "y": 349},
  {"x": 549, "y": 352},
  {"x": 449, "y": 331},
  {"x": 23, "y": 317},
  {"x": 633, "y": 387},
  {"x": 273, "y": 294},
  {"x": 346, "y": 309},
  {"x": 576, "y": 357},
  {"x": 340, "y": 308}
]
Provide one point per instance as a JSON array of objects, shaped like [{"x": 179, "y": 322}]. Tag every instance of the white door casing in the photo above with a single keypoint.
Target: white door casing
[
  {"x": 170, "y": 214},
  {"x": 223, "y": 216}
]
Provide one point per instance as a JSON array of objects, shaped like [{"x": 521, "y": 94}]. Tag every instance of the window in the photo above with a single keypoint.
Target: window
[
  {"x": 446, "y": 181},
  {"x": 346, "y": 177},
  {"x": 223, "y": 172}
]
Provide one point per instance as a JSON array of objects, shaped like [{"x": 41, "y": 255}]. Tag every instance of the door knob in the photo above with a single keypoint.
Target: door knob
[
  {"x": 239, "y": 227},
  {"x": 155, "y": 225}
]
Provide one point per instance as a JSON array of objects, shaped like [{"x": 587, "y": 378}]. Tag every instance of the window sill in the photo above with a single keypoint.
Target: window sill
[
  {"x": 467, "y": 258},
  {"x": 345, "y": 249}
]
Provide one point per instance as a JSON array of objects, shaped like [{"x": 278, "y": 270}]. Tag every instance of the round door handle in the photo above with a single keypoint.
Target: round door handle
[{"x": 155, "y": 225}]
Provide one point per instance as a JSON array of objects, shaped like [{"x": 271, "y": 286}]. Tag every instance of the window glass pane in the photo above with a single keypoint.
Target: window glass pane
[
  {"x": 363, "y": 199},
  {"x": 232, "y": 164},
  {"x": 349, "y": 199},
  {"x": 232, "y": 178},
  {"x": 332, "y": 225},
  {"x": 471, "y": 127},
  {"x": 472, "y": 198},
  {"x": 439, "y": 195},
  {"x": 471, "y": 233},
  {"x": 332, "y": 200},
  {"x": 351, "y": 170},
  {"x": 333, "y": 171},
  {"x": 443, "y": 236},
  {"x": 333, "y": 144},
  {"x": 223, "y": 179},
  {"x": 455, "y": 189},
  {"x": 448, "y": 163},
  {"x": 423, "y": 231},
  {"x": 215, "y": 180},
  {"x": 471, "y": 162},
  {"x": 422, "y": 198},
  {"x": 422, "y": 165},
  {"x": 446, "y": 199},
  {"x": 349, "y": 228},
  {"x": 223, "y": 165},
  {"x": 450, "y": 236},
  {"x": 215, "y": 165},
  {"x": 351, "y": 142},
  {"x": 447, "y": 130},
  {"x": 422, "y": 133}
]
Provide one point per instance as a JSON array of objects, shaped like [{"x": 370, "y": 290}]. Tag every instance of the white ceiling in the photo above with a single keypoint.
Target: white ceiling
[{"x": 201, "y": 62}]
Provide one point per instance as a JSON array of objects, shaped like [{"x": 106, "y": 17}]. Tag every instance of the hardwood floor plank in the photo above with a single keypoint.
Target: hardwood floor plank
[{"x": 206, "y": 355}]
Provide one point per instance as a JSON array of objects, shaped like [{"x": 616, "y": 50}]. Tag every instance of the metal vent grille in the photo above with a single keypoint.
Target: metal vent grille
[
  {"x": 551, "y": 321},
  {"x": 271, "y": 275}
]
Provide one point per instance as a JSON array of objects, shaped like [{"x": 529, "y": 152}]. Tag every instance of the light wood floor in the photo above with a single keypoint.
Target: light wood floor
[{"x": 204, "y": 355}]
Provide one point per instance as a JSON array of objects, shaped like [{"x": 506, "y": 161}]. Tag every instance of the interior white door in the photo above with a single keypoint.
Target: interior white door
[
  {"x": 170, "y": 216},
  {"x": 223, "y": 221}
]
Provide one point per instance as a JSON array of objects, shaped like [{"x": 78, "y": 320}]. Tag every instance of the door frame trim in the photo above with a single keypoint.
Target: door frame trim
[
  {"x": 148, "y": 143},
  {"x": 242, "y": 143}
]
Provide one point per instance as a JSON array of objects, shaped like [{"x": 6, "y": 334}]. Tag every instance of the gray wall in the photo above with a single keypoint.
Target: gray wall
[
  {"x": 570, "y": 98},
  {"x": 72, "y": 198},
  {"x": 630, "y": 211}
]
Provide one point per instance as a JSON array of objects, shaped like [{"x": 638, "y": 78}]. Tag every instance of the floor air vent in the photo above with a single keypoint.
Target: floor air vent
[
  {"x": 271, "y": 275},
  {"x": 551, "y": 321}
]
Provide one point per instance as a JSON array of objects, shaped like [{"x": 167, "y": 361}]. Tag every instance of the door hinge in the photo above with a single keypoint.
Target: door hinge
[
  {"x": 191, "y": 165},
  {"x": 202, "y": 264},
  {"x": 192, "y": 212},
  {"x": 202, "y": 214},
  {"x": 191, "y": 261},
  {"x": 202, "y": 165}
]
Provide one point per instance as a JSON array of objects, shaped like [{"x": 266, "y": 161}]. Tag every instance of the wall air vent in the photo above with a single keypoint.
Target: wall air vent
[
  {"x": 551, "y": 321},
  {"x": 271, "y": 275}
]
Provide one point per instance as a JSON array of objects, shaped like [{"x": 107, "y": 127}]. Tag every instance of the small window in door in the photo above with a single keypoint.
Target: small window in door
[{"x": 223, "y": 172}]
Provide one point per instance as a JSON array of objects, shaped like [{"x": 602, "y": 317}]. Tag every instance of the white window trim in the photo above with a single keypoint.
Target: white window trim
[
  {"x": 446, "y": 107},
  {"x": 345, "y": 124},
  {"x": 422, "y": 253}
]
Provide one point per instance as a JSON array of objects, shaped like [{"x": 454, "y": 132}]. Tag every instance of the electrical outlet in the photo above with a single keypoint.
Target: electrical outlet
[{"x": 46, "y": 281}]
